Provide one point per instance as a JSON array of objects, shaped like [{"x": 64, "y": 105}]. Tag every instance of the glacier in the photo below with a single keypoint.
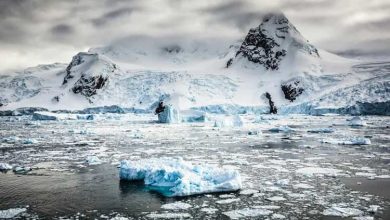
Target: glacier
[{"x": 175, "y": 177}]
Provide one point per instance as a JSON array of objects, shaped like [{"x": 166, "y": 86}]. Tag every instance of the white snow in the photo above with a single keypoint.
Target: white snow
[
  {"x": 11, "y": 213},
  {"x": 176, "y": 206},
  {"x": 247, "y": 213},
  {"x": 176, "y": 177}
]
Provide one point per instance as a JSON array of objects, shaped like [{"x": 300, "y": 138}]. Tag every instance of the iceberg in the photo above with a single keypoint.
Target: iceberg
[
  {"x": 348, "y": 141},
  {"x": 193, "y": 116},
  {"x": 5, "y": 166},
  {"x": 93, "y": 160},
  {"x": 169, "y": 115},
  {"x": 228, "y": 121},
  {"x": 357, "y": 122},
  {"x": 175, "y": 177},
  {"x": 283, "y": 128}
]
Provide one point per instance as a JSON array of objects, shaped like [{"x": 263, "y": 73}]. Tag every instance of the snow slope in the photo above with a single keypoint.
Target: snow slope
[{"x": 138, "y": 72}]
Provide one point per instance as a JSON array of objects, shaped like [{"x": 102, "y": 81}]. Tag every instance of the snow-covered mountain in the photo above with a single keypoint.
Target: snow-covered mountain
[{"x": 272, "y": 63}]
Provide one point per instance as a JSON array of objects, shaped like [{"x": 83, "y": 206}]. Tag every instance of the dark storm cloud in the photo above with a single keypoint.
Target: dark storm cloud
[
  {"x": 44, "y": 31},
  {"x": 62, "y": 29}
]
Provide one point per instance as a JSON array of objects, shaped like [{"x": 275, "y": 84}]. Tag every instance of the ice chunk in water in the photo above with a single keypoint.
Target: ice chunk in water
[
  {"x": 228, "y": 121},
  {"x": 247, "y": 213},
  {"x": 176, "y": 205},
  {"x": 341, "y": 211},
  {"x": 11, "y": 213},
  {"x": 169, "y": 115},
  {"x": 357, "y": 121},
  {"x": 283, "y": 128},
  {"x": 175, "y": 177},
  {"x": 5, "y": 166},
  {"x": 93, "y": 160},
  {"x": 321, "y": 130},
  {"x": 348, "y": 141}
]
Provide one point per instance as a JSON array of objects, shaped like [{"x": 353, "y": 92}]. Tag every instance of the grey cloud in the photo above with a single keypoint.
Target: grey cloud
[
  {"x": 62, "y": 29},
  {"x": 111, "y": 15}
]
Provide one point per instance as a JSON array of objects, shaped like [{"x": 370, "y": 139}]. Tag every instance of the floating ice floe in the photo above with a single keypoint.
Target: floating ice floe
[
  {"x": 175, "y": 177},
  {"x": 10, "y": 140},
  {"x": 276, "y": 198},
  {"x": 283, "y": 128},
  {"x": 348, "y": 141},
  {"x": 11, "y": 213},
  {"x": 176, "y": 206},
  {"x": 193, "y": 116},
  {"x": 5, "y": 166},
  {"x": 93, "y": 160},
  {"x": 168, "y": 215},
  {"x": 209, "y": 210},
  {"x": 169, "y": 115},
  {"x": 227, "y": 201},
  {"x": 228, "y": 121},
  {"x": 321, "y": 130},
  {"x": 21, "y": 169},
  {"x": 313, "y": 171},
  {"x": 342, "y": 211},
  {"x": 247, "y": 213},
  {"x": 29, "y": 141},
  {"x": 357, "y": 121}
]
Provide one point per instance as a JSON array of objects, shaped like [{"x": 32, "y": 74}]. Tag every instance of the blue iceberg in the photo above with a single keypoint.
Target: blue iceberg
[
  {"x": 174, "y": 177},
  {"x": 169, "y": 115}
]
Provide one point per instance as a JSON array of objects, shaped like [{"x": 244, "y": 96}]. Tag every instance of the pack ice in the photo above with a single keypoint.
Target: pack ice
[{"x": 175, "y": 177}]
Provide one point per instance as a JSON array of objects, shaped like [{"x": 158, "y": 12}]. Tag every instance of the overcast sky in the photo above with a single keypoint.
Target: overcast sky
[{"x": 45, "y": 31}]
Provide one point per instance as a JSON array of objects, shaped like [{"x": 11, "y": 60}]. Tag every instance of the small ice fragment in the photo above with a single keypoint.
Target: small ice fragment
[
  {"x": 227, "y": 201},
  {"x": 11, "y": 213},
  {"x": 209, "y": 210},
  {"x": 302, "y": 186},
  {"x": 5, "y": 166},
  {"x": 276, "y": 198},
  {"x": 283, "y": 128},
  {"x": 357, "y": 121},
  {"x": 311, "y": 171},
  {"x": 363, "y": 218},
  {"x": 342, "y": 212},
  {"x": 254, "y": 132},
  {"x": 373, "y": 208},
  {"x": 176, "y": 206},
  {"x": 248, "y": 192},
  {"x": 348, "y": 141},
  {"x": 93, "y": 160},
  {"x": 278, "y": 216},
  {"x": 29, "y": 141},
  {"x": 321, "y": 130},
  {"x": 22, "y": 169},
  {"x": 246, "y": 213},
  {"x": 168, "y": 215}
]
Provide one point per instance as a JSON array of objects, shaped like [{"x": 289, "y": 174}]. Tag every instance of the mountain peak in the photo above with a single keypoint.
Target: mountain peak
[{"x": 274, "y": 39}]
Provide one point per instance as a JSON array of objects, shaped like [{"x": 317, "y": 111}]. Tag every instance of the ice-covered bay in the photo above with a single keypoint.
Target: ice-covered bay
[{"x": 290, "y": 174}]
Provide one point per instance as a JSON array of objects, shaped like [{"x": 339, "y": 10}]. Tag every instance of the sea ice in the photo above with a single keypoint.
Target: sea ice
[
  {"x": 276, "y": 199},
  {"x": 247, "y": 213},
  {"x": 283, "y": 128},
  {"x": 11, "y": 213},
  {"x": 30, "y": 141},
  {"x": 5, "y": 166},
  {"x": 357, "y": 121},
  {"x": 227, "y": 201},
  {"x": 168, "y": 215},
  {"x": 176, "y": 206},
  {"x": 348, "y": 141},
  {"x": 321, "y": 130},
  {"x": 311, "y": 171},
  {"x": 193, "y": 116},
  {"x": 169, "y": 115},
  {"x": 175, "y": 177},
  {"x": 341, "y": 211}
]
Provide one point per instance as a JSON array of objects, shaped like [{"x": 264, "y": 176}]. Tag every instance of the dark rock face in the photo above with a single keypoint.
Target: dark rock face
[
  {"x": 87, "y": 86},
  {"x": 259, "y": 48},
  {"x": 76, "y": 60},
  {"x": 292, "y": 90},
  {"x": 272, "y": 107}
]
